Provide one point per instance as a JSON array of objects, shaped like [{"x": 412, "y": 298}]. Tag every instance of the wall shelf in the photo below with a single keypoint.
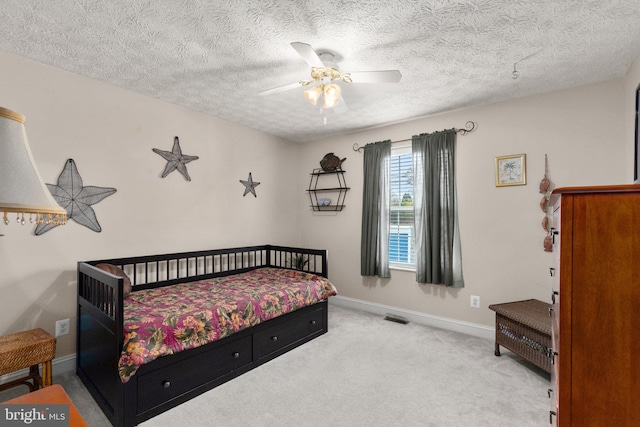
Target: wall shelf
[{"x": 316, "y": 194}]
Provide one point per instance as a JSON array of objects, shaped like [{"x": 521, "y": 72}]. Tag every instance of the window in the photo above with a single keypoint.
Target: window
[
  {"x": 392, "y": 191},
  {"x": 401, "y": 233}
]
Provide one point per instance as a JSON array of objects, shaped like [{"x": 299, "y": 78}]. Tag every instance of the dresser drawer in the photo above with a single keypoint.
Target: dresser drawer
[
  {"x": 294, "y": 328},
  {"x": 171, "y": 381}
]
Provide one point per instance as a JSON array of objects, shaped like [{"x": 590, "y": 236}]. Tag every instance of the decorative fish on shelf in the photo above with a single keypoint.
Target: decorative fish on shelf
[{"x": 330, "y": 162}]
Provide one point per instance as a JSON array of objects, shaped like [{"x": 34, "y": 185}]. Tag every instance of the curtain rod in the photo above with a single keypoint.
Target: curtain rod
[{"x": 470, "y": 126}]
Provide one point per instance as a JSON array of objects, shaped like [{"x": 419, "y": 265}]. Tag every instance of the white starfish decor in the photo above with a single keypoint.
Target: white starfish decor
[
  {"x": 77, "y": 199},
  {"x": 176, "y": 160},
  {"x": 250, "y": 186}
]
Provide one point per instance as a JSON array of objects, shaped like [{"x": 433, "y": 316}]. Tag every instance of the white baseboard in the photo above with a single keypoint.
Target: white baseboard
[
  {"x": 468, "y": 328},
  {"x": 59, "y": 365}
]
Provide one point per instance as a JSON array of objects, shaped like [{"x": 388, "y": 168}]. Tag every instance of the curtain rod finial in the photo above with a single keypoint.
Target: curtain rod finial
[{"x": 470, "y": 126}]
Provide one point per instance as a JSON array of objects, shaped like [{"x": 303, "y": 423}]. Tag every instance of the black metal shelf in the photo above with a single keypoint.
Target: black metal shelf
[
  {"x": 332, "y": 208},
  {"x": 341, "y": 189},
  {"x": 330, "y": 189},
  {"x": 324, "y": 172}
]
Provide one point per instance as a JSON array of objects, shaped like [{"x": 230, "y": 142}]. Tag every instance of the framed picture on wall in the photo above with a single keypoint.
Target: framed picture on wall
[
  {"x": 636, "y": 163},
  {"x": 511, "y": 170}
]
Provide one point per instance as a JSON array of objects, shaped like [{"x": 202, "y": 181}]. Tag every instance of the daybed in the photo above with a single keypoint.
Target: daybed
[{"x": 136, "y": 369}]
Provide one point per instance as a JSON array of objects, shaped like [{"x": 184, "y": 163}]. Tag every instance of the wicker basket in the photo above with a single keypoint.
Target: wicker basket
[
  {"x": 524, "y": 327},
  {"x": 25, "y": 349}
]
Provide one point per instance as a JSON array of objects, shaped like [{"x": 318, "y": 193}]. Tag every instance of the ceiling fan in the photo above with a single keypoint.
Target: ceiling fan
[{"x": 324, "y": 74}]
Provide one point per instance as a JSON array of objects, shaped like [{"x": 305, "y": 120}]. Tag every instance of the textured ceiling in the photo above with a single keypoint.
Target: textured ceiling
[{"x": 215, "y": 56}]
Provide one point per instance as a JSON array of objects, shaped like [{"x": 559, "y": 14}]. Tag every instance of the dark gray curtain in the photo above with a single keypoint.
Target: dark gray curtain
[
  {"x": 438, "y": 253},
  {"x": 374, "y": 251}
]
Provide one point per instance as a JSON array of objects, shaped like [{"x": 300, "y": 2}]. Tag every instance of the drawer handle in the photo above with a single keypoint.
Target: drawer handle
[
  {"x": 551, "y": 414},
  {"x": 552, "y": 271},
  {"x": 166, "y": 384},
  {"x": 549, "y": 391},
  {"x": 236, "y": 355},
  {"x": 313, "y": 323},
  {"x": 553, "y": 296},
  {"x": 274, "y": 338}
]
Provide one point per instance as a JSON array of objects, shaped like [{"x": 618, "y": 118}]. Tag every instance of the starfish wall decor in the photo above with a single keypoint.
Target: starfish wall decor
[
  {"x": 175, "y": 160},
  {"x": 76, "y": 199},
  {"x": 250, "y": 186}
]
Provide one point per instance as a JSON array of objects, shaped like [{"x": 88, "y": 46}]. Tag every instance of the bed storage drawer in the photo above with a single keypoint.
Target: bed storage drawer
[
  {"x": 162, "y": 385},
  {"x": 295, "y": 328}
]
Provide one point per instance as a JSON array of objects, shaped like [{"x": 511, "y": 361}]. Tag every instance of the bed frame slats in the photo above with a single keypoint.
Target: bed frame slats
[{"x": 165, "y": 270}]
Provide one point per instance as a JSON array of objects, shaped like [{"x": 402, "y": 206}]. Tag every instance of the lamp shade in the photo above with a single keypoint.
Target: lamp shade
[
  {"x": 313, "y": 93},
  {"x": 331, "y": 95},
  {"x": 21, "y": 188}
]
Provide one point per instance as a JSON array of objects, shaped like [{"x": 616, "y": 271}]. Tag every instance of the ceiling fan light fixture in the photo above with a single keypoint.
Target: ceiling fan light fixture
[
  {"x": 325, "y": 71},
  {"x": 312, "y": 94},
  {"x": 331, "y": 95}
]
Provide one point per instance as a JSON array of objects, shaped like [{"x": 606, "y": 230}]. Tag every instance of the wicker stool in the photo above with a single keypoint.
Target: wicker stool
[
  {"x": 524, "y": 327},
  {"x": 27, "y": 350}
]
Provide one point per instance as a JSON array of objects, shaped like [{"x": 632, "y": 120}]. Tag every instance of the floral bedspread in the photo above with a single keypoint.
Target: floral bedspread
[{"x": 159, "y": 322}]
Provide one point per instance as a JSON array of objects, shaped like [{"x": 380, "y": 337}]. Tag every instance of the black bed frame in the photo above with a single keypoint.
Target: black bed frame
[{"x": 171, "y": 380}]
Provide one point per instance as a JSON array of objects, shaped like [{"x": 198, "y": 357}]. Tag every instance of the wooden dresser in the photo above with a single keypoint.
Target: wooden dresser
[{"x": 595, "y": 380}]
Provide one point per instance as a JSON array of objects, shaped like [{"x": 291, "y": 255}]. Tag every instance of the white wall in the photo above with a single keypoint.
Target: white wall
[
  {"x": 582, "y": 130},
  {"x": 110, "y": 133}
]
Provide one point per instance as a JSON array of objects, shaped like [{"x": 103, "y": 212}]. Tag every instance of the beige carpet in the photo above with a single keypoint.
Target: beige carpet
[{"x": 366, "y": 371}]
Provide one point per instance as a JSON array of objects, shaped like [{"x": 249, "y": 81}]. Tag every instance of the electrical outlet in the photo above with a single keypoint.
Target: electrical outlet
[
  {"x": 62, "y": 327},
  {"x": 475, "y": 301}
]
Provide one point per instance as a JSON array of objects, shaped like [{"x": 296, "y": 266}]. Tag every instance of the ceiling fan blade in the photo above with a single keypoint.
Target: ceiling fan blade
[
  {"x": 384, "y": 76},
  {"x": 308, "y": 54},
  {"x": 280, "y": 89}
]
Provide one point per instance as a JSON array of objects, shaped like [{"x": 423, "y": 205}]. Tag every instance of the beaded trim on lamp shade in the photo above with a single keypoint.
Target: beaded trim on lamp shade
[{"x": 22, "y": 190}]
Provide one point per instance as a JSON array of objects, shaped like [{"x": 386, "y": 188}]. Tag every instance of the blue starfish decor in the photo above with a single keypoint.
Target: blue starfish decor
[
  {"x": 76, "y": 199},
  {"x": 176, "y": 160},
  {"x": 250, "y": 186}
]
